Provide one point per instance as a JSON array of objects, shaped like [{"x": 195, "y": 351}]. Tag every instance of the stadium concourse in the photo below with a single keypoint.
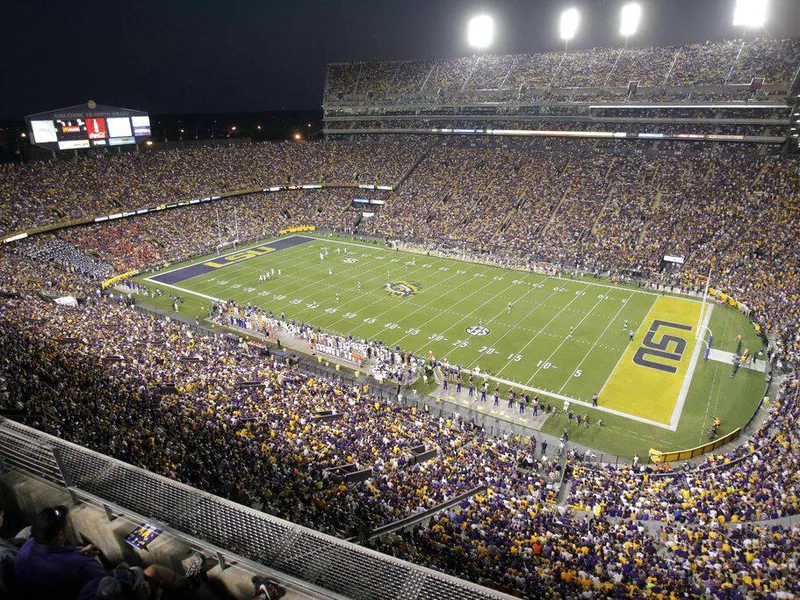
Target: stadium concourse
[{"x": 159, "y": 395}]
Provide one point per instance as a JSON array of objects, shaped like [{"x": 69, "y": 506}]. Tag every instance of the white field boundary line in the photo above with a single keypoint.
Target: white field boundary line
[
  {"x": 687, "y": 379},
  {"x": 642, "y": 324},
  {"x": 513, "y": 327},
  {"x": 568, "y": 336},
  {"x": 530, "y": 341},
  {"x": 497, "y": 379},
  {"x": 610, "y": 323},
  {"x": 184, "y": 290},
  {"x": 558, "y": 396},
  {"x": 708, "y": 408}
]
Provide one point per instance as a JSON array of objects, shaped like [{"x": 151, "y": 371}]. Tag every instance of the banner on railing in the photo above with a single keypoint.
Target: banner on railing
[
  {"x": 297, "y": 229},
  {"x": 656, "y": 456},
  {"x": 109, "y": 282}
]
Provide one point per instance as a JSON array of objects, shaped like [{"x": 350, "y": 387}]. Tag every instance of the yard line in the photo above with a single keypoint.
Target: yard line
[
  {"x": 491, "y": 298},
  {"x": 316, "y": 282},
  {"x": 586, "y": 316},
  {"x": 530, "y": 341},
  {"x": 242, "y": 274},
  {"x": 611, "y": 322},
  {"x": 393, "y": 306},
  {"x": 642, "y": 324},
  {"x": 440, "y": 313},
  {"x": 513, "y": 328}
]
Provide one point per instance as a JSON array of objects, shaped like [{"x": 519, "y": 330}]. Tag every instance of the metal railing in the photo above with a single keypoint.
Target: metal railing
[{"x": 316, "y": 558}]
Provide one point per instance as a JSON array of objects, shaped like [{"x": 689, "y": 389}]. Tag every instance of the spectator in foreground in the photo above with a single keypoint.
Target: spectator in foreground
[{"x": 47, "y": 566}]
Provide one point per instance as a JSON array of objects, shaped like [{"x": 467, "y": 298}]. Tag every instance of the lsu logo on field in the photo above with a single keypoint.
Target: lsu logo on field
[
  {"x": 238, "y": 257},
  {"x": 667, "y": 349},
  {"x": 403, "y": 288}
]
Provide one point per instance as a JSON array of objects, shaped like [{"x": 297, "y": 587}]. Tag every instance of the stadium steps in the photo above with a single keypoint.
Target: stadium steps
[
  {"x": 610, "y": 168},
  {"x": 643, "y": 230},
  {"x": 600, "y": 212},
  {"x": 413, "y": 168},
  {"x": 553, "y": 214}
]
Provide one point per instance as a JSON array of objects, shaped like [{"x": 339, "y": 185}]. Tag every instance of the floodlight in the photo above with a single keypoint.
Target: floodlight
[
  {"x": 569, "y": 24},
  {"x": 630, "y": 17},
  {"x": 480, "y": 31},
  {"x": 750, "y": 13}
]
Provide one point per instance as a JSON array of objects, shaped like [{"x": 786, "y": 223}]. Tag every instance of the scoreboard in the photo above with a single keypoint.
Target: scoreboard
[{"x": 88, "y": 126}]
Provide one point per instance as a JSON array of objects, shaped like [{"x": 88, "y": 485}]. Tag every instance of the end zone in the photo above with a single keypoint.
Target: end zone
[
  {"x": 212, "y": 264},
  {"x": 653, "y": 376}
]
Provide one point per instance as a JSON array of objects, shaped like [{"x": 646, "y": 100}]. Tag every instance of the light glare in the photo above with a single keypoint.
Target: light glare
[
  {"x": 569, "y": 24},
  {"x": 480, "y": 31},
  {"x": 631, "y": 15},
  {"x": 750, "y": 13}
]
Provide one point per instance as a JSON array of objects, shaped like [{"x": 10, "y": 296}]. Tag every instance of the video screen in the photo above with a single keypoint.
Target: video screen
[
  {"x": 71, "y": 129},
  {"x": 141, "y": 126},
  {"x": 119, "y": 127},
  {"x": 44, "y": 132}
]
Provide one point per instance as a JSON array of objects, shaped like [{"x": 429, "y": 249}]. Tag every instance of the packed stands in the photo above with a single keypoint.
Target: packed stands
[
  {"x": 213, "y": 413},
  {"x": 732, "y": 62}
]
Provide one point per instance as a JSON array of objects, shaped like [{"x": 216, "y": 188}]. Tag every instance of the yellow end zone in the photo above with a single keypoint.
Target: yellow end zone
[{"x": 647, "y": 380}]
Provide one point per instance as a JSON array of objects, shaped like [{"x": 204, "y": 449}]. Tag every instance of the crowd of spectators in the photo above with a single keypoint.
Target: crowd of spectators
[
  {"x": 157, "y": 395},
  {"x": 710, "y": 63},
  {"x": 153, "y": 394},
  {"x": 43, "y": 193}
]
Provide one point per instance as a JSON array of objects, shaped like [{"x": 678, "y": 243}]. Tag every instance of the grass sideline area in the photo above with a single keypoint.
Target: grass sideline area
[{"x": 565, "y": 337}]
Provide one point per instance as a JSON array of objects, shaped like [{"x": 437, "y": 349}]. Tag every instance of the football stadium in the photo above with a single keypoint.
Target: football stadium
[{"x": 502, "y": 321}]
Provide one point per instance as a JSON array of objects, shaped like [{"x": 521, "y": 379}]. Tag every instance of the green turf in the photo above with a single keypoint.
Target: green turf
[{"x": 530, "y": 345}]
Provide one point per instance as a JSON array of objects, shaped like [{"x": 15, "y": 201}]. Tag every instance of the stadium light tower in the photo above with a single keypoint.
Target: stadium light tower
[
  {"x": 750, "y": 13},
  {"x": 480, "y": 31},
  {"x": 629, "y": 20},
  {"x": 569, "y": 24}
]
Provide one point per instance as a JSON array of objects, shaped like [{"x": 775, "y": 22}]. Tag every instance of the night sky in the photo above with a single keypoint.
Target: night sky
[{"x": 206, "y": 56}]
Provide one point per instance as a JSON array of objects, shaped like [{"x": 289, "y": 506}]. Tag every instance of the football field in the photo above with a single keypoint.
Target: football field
[{"x": 565, "y": 339}]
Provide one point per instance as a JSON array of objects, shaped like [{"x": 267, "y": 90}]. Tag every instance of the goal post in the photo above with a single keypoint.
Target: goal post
[{"x": 701, "y": 329}]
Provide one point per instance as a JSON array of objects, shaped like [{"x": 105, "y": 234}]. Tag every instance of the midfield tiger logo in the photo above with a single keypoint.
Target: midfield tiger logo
[{"x": 403, "y": 288}]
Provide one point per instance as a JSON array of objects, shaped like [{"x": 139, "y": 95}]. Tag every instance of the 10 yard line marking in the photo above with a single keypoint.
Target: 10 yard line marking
[
  {"x": 530, "y": 341},
  {"x": 614, "y": 318},
  {"x": 564, "y": 341}
]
